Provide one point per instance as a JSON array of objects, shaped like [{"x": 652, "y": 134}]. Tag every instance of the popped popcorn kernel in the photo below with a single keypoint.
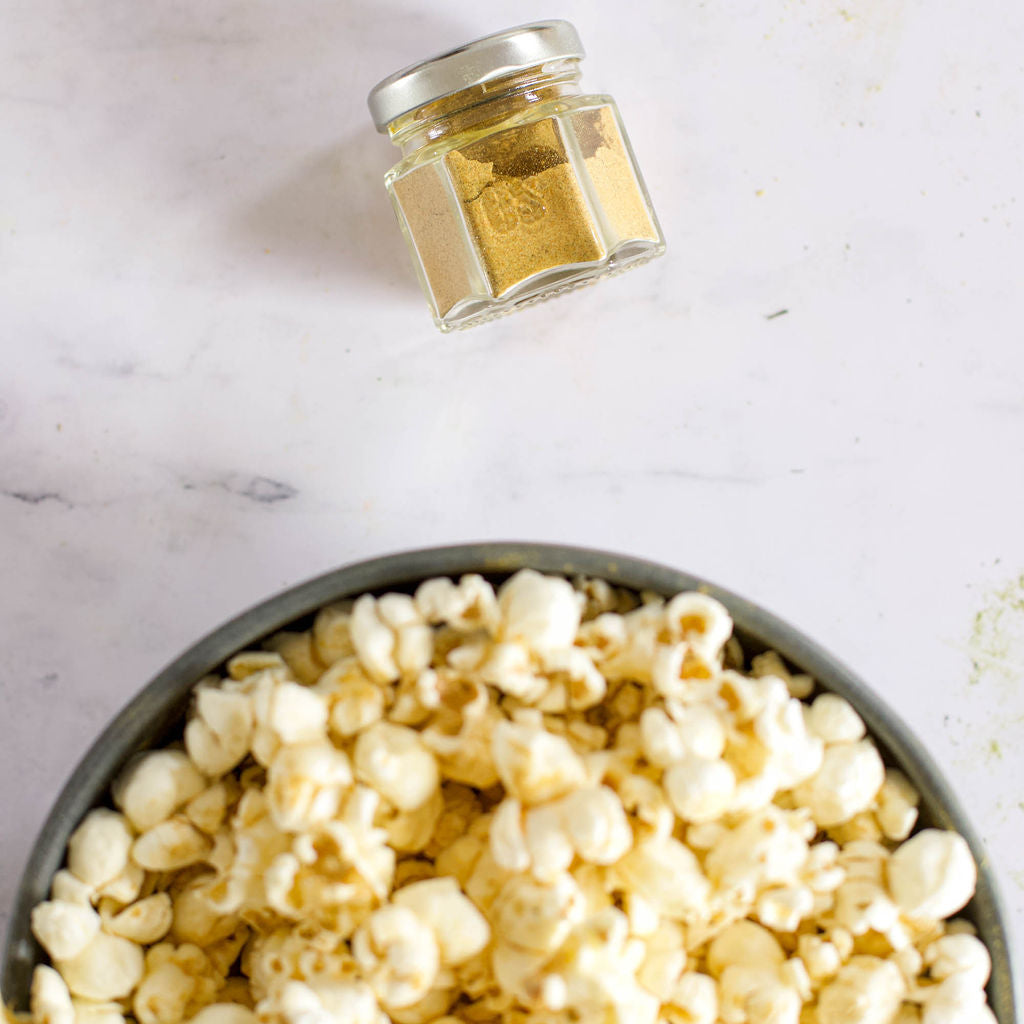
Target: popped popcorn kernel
[
  {"x": 156, "y": 785},
  {"x": 932, "y": 875},
  {"x": 49, "y": 998},
  {"x": 98, "y": 849},
  {"x": 64, "y": 929},
  {"x": 107, "y": 967}
]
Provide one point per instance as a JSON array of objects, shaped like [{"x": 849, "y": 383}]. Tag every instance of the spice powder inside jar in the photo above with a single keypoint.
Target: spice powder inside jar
[{"x": 520, "y": 189}]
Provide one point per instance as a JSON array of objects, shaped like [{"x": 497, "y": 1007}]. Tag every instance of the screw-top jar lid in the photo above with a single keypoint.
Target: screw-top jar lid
[{"x": 474, "y": 63}]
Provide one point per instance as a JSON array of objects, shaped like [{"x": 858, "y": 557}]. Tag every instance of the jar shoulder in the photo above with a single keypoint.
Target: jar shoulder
[{"x": 529, "y": 115}]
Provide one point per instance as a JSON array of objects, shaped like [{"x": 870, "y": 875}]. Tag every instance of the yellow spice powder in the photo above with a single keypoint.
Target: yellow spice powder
[
  {"x": 435, "y": 227},
  {"x": 523, "y": 204},
  {"x": 610, "y": 170},
  {"x": 529, "y": 199}
]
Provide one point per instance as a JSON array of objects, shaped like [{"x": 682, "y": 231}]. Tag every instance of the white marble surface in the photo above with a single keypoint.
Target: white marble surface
[{"x": 219, "y": 377}]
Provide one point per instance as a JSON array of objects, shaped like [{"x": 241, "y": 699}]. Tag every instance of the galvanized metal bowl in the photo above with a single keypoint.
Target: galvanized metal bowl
[{"x": 155, "y": 715}]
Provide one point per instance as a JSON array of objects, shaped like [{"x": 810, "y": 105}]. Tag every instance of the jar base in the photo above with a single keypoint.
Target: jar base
[{"x": 480, "y": 309}]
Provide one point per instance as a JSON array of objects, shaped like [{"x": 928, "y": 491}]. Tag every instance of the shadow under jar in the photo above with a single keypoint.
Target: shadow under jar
[{"x": 513, "y": 185}]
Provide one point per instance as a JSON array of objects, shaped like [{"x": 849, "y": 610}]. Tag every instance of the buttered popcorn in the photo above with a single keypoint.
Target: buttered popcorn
[{"x": 546, "y": 803}]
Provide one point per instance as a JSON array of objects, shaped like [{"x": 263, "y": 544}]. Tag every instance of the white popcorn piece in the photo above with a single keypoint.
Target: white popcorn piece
[
  {"x": 535, "y": 917},
  {"x": 535, "y": 765},
  {"x": 770, "y": 664},
  {"x": 163, "y": 994},
  {"x": 178, "y": 980},
  {"x": 833, "y": 719},
  {"x": 745, "y": 697},
  {"x": 543, "y": 612},
  {"x": 411, "y": 831},
  {"x": 298, "y": 652},
  {"x": 220, "y": 733},
  {"x": 510, "y": 668},
  {"x": 49, "y": 999},
  {"x": 145, "y": 921},
  {"x": 521, "y": 973},
  {"x": 549, "y": 846},
  {"x": 195, "y": 917},
  {"x": 693, "y": 1000},
  {"x": 508, "y": 838},
  {"x": 155, "y": 785},
  {"x": 700, "y": 789},
  {"x": 373, "y": 640},
  {"x": 955, "y": 1000},
  {"x": 755, "y": 994},
  {"x": 125, "y": 888},
  {"x": 208, "y": 809},
  {"x": 332, "y": 637},
  {"x": 897, "y": 806},
  {"x": 573, "y": 670},
  {"x": 398, "y": 610},
  {"x": 394, "y": 760},
  {"x": 679, "y": 672},
  {"x": 69, "y": 889},
  {"x": 932, "y": 875},
  {"x": 306, "y": 784},
  {"x": 109, "y": 967},
  {"x": 862, "y": 905},
  {"x": 603, "y": 637},
  {"x": 414, "y": 648},
  {"x": 295, "y": 714},
  {"x": 793, "y": 974},
  {"x": 662, "y": 741},
  {"x": 700, "y": 620},
  {"x": 348, "y": 1000},
  {"x": 398, "y": 954},
  {"x": 646, "y": 800},
  {"x": 468, "y": 606},
  {"x": 847, "y": 783},
  {"x": 64, "y": 929},
  {"x": 249, "y": 663},
  {"x": 745, "y": 944},
  {"x": 460, "y": 929},
  {"x": 171, "y": 845},
  {"x": 668, "y": 874},
  {"x": 793, "y": 754},
  {"x": 661, "y": 970},
  {"x": 643, "y": 916},
  {"x": 765, "y": 849},
  {"x": 701, "y": 728},
  {"x": 959, "y": 955},
  {"x": 89, "y": 1011},
  {"x": 595, "y": 823},
  {"x": 354, "y": 700},
  {"x": 866, "y": 990},
  {"x": 819, "y": 956},
  {"x": 224, "y": 1013},
  {"x": 784, "y": 908},
  {"x": 98, "y": 849}
]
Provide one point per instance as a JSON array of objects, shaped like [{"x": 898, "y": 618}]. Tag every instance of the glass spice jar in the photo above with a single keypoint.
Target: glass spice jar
[{"x": 513, "y": 185}]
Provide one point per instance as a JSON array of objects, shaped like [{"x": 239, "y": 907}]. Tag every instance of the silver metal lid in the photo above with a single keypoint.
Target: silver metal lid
[{"x": 471, "y": 64}]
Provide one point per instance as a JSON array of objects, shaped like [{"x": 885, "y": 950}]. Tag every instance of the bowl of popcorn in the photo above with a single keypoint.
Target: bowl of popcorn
[{"x": 507, "y": 784}]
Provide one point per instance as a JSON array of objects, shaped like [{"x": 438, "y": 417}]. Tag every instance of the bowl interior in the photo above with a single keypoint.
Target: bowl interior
[{"x": 155, "y": 715}]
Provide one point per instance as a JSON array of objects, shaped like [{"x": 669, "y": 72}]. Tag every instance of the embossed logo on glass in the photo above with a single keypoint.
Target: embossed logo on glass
[{"x": 508, "y": 204}]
